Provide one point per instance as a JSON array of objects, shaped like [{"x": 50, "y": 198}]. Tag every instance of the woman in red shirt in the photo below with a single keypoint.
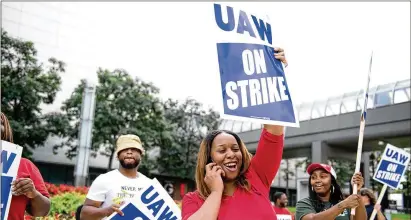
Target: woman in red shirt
[
  {"x": 28, "y": 190},
  {"x": 231, "y": 184}
]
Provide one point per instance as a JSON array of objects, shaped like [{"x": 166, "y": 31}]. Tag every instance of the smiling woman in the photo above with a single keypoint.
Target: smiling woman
[
  {"x": 230, "y": 181},
  {"x": 224, "y": 150},
  {"x": 326, "y": 201}
]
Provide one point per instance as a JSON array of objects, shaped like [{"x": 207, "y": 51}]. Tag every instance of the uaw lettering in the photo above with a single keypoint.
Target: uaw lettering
[
  {"x": 253, "y": 82},
  {"x": 392, "y": 166},
  {"x": 10, "y": 161},
  {"x": 150, "y": 203},
  {"x": 243, "y": 23}
]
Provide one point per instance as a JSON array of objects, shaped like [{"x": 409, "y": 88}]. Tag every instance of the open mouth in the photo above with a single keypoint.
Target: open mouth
[
  {"x": 231, "y": 166},
  {"x": 318, "y": 186}
]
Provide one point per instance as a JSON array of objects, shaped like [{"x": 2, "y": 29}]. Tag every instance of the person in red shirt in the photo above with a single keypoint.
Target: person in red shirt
[
  {"x": 280, "y": 204},
  {"x": 28, "y": 189},
  {"x": 231, "y": 184}
]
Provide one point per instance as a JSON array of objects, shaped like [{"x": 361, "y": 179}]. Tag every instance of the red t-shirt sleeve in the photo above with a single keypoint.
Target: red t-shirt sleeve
[
  {"x": 190, "y": 205},
  {"x": 35, "y": 175},
  {"x": 267, "y": 159}
]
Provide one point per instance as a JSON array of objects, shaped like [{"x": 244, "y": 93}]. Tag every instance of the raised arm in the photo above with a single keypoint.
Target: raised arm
[
  {"x": 360, "y": 211},
  {"x": 267, "y": 159},
  {"x": 380, "y": 215}
]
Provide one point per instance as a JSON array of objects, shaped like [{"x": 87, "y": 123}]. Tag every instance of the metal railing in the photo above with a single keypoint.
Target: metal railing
[{"x": 381, "y": 95}]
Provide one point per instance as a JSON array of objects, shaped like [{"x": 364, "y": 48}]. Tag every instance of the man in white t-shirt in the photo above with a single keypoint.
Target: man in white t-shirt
[{"x": 110, "y": 190}]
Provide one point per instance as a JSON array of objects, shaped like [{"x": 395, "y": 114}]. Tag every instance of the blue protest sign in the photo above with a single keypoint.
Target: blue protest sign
[
  {"x": 392, "y": 166},
  {"x": 153, "y": 202},
  {"x": 10, "y": 161},
  {"x": 253, "y": 83},
  {"x": 131, "y": 211}
]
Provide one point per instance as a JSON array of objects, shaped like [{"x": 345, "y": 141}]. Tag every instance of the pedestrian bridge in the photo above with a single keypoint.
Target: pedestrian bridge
[{"x": 329, "y": 128}]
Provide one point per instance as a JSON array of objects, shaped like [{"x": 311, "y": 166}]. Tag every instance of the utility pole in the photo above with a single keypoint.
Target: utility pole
[
  {"x": 85, "y": 134},
  {"x": 287, "y": 177}
]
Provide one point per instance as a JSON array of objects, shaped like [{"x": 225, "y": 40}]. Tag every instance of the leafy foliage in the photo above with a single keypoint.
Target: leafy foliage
[
  {"x": 63, "y": 188},
  {"x": 187, "y": 124},
  {"x": 66, "y": 203},
  {"x": 375, "y": 157},
  {"x": 344, "y": 170},
  {"x": 25, "y": 86},
  {"x": 123, "y": 105}
]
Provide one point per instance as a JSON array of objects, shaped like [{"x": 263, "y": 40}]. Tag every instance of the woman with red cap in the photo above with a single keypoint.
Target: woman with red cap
[{"x": 326, "y": 199}]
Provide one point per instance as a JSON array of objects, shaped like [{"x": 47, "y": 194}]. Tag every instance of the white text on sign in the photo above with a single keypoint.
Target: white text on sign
[
  {"x": 261, "y": 91},
  {"x": 391, "y": 172}
]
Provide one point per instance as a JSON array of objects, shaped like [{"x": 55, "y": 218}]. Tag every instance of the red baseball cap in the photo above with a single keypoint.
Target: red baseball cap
[{"x": 326, "y": 167}]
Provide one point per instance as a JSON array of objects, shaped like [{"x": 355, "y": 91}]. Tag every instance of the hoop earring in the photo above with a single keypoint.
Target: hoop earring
[
  {"x": 312, "y": 188},
  {"x": 332, "y": 189}
]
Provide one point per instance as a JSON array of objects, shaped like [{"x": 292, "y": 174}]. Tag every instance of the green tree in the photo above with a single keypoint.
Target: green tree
[
  {"x": 344, "y": 170},
  {"x": 406, "y": 184},
  {"x": 188, "y": 124},
  {"x": 303, "y": 163},
  {"x": 123, "y": 105},
  {"x": 375, "y": 158},
  {"x": 27, "y": 84}
]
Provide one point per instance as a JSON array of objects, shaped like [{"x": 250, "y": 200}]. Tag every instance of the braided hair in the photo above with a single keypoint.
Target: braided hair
[{"x": 6, "y": 133}]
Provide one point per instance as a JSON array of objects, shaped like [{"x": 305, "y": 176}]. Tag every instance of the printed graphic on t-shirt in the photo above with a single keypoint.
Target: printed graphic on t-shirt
[
  {"x": 284, "y": 217},
  {"x": 126, "y": 193}
]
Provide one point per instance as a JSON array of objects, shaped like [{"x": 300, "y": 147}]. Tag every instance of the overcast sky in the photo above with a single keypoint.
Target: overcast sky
[{"x": 171, "y": 44}]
